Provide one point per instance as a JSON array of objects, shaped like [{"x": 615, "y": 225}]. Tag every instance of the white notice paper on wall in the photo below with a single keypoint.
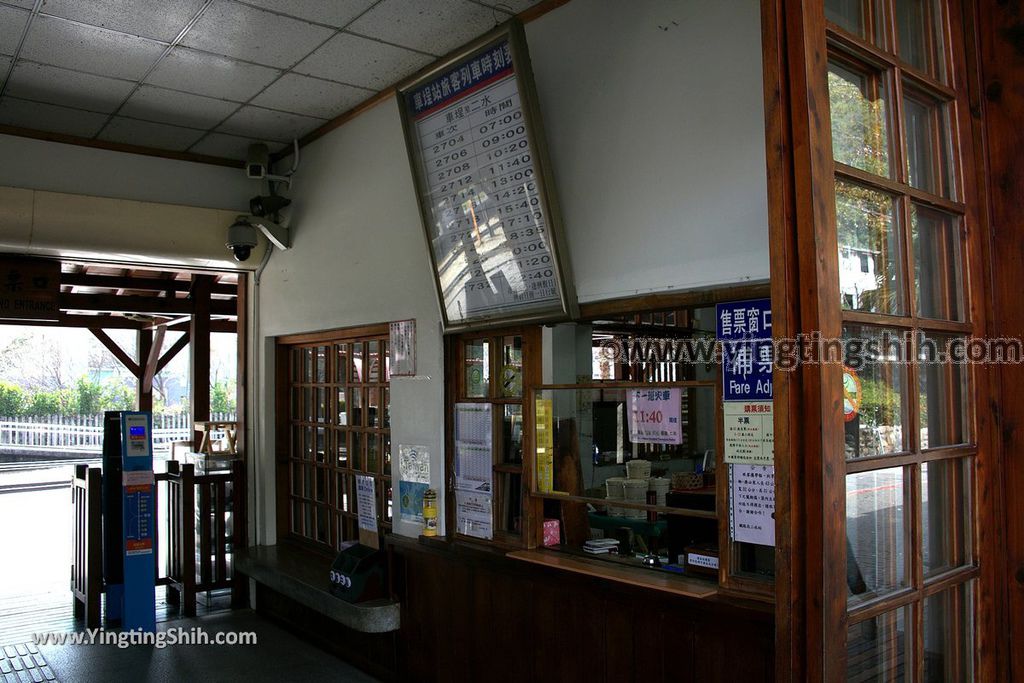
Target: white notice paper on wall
[
  {"x": 749, "y": 432},
  {"x": 366, "y": 503},
  {"x": 752, "y": 504},
  {"x": 402, "y": 348},
  {"x": 473, "y": 514}
]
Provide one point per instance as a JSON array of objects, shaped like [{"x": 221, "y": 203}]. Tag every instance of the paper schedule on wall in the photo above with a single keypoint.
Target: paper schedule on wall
[
  {"x": 473, "y": 460},
  {"x": 488, "y": 213}
]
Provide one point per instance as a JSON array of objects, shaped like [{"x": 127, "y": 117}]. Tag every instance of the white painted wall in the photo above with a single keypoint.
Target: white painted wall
[
  {"x": 358, "y": 258},
  {"x": 657, "y": 143},
  {"x": 57, "y": 167},
  {"x": 654, "y": 117}
]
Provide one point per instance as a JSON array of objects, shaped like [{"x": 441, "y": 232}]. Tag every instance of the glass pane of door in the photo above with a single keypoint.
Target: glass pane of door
[
  {"x": 876, "y": 649},
  {"x": 860, "y": 121},
  {"x": 949, "y": 635},
  {"x": 875, "y": 534}
]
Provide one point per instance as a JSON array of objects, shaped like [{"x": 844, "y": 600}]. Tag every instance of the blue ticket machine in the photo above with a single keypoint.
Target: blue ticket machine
[{"x": 129, "y": 553}]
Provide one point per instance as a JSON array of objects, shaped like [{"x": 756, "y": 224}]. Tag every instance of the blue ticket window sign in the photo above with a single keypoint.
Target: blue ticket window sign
[
  {"x": 137, "y": 486},
  {"x": 745, "y": 331}
]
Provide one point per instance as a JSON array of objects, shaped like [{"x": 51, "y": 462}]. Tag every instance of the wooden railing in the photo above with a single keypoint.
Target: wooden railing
[
  {"x": 87, "y": 548},
  {"x": 217, "y": 500}
]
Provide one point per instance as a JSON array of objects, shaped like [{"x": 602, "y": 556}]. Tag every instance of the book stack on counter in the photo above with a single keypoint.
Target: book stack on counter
[{"x": 601, "y": 546}]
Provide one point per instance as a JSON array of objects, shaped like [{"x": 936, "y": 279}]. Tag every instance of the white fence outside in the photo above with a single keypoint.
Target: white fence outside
[{"x": 84, "y": 433}]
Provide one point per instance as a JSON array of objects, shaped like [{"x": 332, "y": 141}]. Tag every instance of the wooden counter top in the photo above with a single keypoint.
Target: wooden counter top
[{"x": 644, "y": 578}]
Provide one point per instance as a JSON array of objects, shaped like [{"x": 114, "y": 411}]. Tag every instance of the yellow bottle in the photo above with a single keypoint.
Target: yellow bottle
[{"x": 430, "y": 512}]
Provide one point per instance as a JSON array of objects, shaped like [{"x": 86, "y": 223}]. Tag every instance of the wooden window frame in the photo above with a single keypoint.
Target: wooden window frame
[{"x": 455, "y": 392}]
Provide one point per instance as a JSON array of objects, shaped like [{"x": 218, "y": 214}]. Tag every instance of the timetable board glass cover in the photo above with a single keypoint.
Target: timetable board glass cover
[{"x": 490, "y": 217}]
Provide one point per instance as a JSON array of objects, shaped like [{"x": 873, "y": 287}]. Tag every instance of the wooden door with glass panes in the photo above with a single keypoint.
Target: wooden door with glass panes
[
  {"x": 339, "y": 428},
  {"x": 903, "y": 207}
]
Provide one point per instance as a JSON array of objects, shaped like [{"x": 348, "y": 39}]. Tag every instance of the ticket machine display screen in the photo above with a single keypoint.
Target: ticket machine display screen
[{"x": 137, "y": 443}]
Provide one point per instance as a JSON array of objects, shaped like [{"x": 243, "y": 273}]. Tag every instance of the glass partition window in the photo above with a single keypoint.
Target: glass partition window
[
  {"x": 337, "y": 419},
  {"x": 623, "y": 468},
  {"x": 907, "y": 397}
]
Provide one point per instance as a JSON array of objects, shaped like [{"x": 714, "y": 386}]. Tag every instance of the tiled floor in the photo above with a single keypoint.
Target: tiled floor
[{"x": 277, "y": 656}]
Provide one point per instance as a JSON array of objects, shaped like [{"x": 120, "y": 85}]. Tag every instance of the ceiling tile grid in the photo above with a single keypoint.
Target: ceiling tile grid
[{"x": 210, "y": 76}]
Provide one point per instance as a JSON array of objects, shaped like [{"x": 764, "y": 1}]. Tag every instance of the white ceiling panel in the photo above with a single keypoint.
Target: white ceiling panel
[
  {"x": 361, "y": 61},
  {"x": 311, "y": 96},
  {"x": 12, "y": 25},
  {"x": 149, "y": 134},
  {"x": 269, "y": 124},
  {"x": 179, "y": 108},
  {"x": 227, "y": 146},
  {"x": 336, "y": 13},
  {"x": 228, "y": 28},
  {"x": 31, "y": 81},
  {"x": 162, "y": 20},
  {"x": 86, "y": 48},
  {"x": 50, "y": 117},
  {"x": 434, "y": 26},
  {"x": 211, "y": 75}
]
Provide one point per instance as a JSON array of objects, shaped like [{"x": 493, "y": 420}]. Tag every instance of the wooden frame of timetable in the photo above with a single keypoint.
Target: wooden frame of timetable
[{"x": 530, "y": 280}]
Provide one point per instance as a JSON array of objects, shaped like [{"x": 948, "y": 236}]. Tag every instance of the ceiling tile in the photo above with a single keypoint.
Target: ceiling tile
[
  {"x": 335, "y": 13},
  {"x": 85, "y": 48},
  {"x": 44, "y": 83},
  {"x": 361, "y": 61},
  {"x": 27, "y": 4},
  {"x": 211, "y": 75},
  {"x": 311, "y": 96},
  {"x": 5, "y": 64},
  {"x": 162, "y": 20},
  {"x": 50, "y": 117},
  {"x": 228, "y": 146},
  {"x": 12, "y": 25},
  {"x": 148, "y": 134},
  {"x": 227, "y": 28},
  {"x": 178, "y": 108},
  {"x": 269, "y": 124},
  {"x": 434, "y": 26}
]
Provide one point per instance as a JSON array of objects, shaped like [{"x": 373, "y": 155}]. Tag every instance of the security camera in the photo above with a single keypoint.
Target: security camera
[
  {"x": 263, "y": 205},
  {"x": 242, "y": 235},
  {"x": 257, "y": 161},
  {"x": 241, "y": 238}
]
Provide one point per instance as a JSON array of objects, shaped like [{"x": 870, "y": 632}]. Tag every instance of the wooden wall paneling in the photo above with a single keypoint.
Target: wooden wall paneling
[
  {"x": 511, "y": 616},
  {"x": 619, "y": 640}
]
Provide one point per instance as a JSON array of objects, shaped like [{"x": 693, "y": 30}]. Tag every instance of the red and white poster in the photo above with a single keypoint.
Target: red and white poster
[{"x": 654, "y": 416}]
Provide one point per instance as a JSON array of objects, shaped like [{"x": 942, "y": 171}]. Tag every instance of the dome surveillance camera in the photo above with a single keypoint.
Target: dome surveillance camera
[{"x": 241, "y": 239}]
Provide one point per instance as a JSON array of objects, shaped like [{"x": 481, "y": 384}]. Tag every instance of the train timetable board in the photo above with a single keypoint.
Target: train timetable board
[{"x": 489, "y": 213}]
